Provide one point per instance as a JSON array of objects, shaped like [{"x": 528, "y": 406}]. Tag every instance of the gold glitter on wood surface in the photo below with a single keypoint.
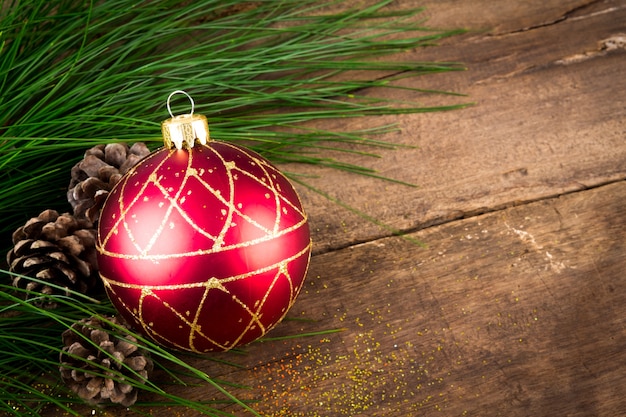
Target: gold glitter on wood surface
[
  {"x": 436, "y": 331},
  {"x": 516, "y": 312}
]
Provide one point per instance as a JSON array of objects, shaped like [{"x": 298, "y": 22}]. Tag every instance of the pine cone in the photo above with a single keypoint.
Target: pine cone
[
  {"x": 97, "y": 359},
  {"x": 96, "y": 174},
  {"x": 59, "y": 249}
]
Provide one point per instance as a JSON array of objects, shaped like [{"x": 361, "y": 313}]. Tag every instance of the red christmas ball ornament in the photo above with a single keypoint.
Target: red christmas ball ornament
[{"x": 203, "y": 245}]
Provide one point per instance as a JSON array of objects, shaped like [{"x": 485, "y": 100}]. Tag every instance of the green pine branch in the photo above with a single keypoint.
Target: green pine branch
[
  {"x": 74, "y": 74},
  {"x": 77, "y": 73}
]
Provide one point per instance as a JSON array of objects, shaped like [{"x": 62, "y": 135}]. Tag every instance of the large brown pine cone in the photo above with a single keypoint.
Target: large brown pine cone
[
  {"x": 58, "y": 249},
  {"x": 98, "y": 361},
  {"x": 96, "y": 174}
]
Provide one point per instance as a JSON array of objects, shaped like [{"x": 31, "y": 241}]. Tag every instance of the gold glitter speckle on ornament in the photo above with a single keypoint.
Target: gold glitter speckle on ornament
[
  {"x": 232, "y": 209},
  {"x": 169, "y": 202},
  {"x": 148, "y": 292}
]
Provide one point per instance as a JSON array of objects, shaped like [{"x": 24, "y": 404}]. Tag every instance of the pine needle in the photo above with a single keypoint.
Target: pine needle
[
  {"x": 77, "y": 73},
  {"x": 74, "y": 74}
]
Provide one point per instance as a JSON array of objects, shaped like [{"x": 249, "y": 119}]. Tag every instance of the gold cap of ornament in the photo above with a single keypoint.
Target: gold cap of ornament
[{"x": 183, "y": 130}]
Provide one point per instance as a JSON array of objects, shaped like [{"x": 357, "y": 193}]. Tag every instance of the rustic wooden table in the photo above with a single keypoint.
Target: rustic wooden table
[{"x": 517, "y": 304}]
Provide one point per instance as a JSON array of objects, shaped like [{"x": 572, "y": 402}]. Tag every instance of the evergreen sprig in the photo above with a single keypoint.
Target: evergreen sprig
[{"x": 75, "y": 73}]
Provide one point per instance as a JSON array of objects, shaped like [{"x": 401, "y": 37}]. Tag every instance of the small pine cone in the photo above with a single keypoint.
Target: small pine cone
[
  {"x": 59, "y": 249},
  {"x": 96, "y": 174},
  {"x": 97, "y": 359}
]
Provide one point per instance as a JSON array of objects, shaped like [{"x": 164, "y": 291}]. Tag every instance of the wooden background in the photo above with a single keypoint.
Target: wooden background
[{"x": 517, "y": 305}]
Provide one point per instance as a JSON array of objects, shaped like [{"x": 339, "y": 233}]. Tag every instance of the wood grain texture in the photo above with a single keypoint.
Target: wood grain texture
[
  {"x": 516, "y": 307},
  {"x": 517, "y": 312},
  {"x": 545, "y": 122},
  {"x": 511, "y": 313}
]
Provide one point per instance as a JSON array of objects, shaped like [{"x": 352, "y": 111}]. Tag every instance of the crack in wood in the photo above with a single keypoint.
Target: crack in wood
[
  {"x": 457, "y": 215},
  {"x": 565, "y": 16},
  {"x": 605, "y": 46}
]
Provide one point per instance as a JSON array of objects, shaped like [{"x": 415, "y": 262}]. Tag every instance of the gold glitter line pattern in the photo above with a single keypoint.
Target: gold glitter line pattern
[
  {"x": 230, "y": 166},
  {"x": 212, "y": 283},
  {"x": 123, "y": 211},
  {"x": 231, "y": 170}
]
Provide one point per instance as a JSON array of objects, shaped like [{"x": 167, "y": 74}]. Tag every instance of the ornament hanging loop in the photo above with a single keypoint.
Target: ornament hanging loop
[
  {"x": 173, "y": 93},
  {"x": 184, "y": 130}
]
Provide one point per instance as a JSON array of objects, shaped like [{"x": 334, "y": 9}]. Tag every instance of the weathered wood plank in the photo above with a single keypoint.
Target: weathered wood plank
[
  {"x": 502, "y": 17},
  {"x": 549, "y": 118},
  {"x": 516, "y": 313}
]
